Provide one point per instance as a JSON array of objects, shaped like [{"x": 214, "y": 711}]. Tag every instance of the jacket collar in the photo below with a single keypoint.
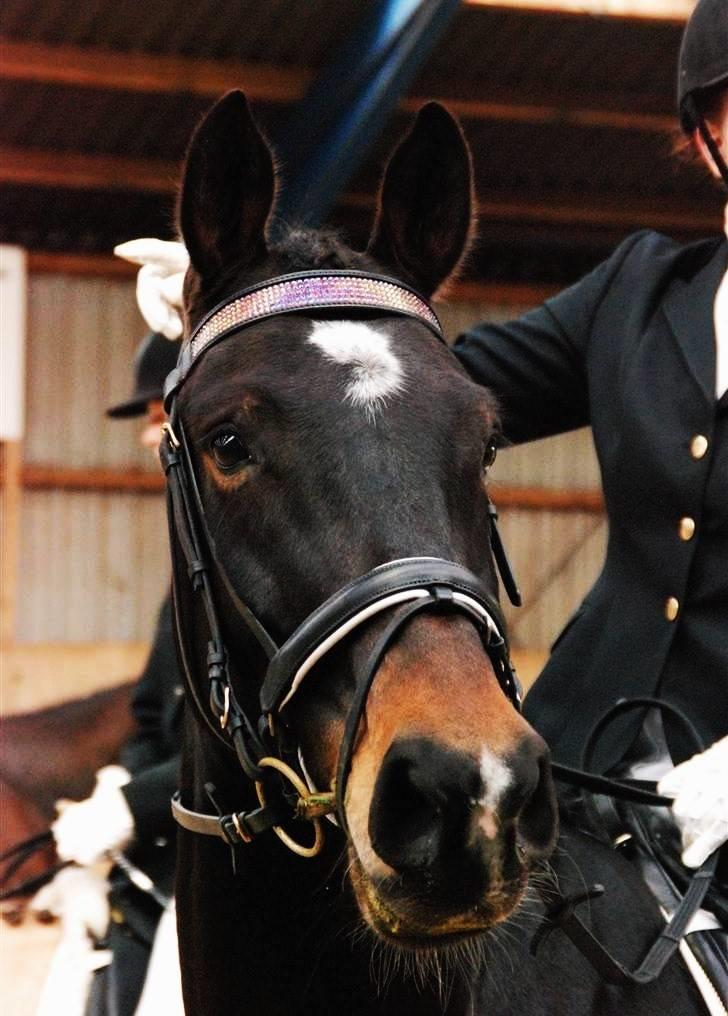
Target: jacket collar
[{"x": 691, "y": 317}]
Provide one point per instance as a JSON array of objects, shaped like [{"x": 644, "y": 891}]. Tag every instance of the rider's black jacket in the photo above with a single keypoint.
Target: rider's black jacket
[
  {"x": 152, "y": 756},
  {"x": 630, "y": 350}
]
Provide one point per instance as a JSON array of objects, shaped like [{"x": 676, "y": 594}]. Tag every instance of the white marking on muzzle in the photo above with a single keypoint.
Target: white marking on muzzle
[
  {"x": 496, "y": 778},
  {"x": 376, "y": 372}
]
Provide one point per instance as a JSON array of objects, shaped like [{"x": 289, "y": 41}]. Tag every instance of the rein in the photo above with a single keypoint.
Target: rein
[
  {"x": 16, "y": 856},
  {"x": 409, "y": 586},
  {"x": 561, "y": 910}
]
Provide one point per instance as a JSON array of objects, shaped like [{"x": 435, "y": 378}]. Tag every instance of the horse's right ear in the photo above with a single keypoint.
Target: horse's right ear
[
  {"x": 228, "y": 188},
  {"x": 425, "y": 214}
]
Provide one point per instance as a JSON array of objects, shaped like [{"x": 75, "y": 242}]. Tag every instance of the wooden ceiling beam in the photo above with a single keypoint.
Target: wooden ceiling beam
[
  {"x": 544, "y": 114},
  {"x": 34, "y": 167},
  {"x": 142, "y": 72},
  {"x": 76, "y": 171},
  {"x": 602, "y": 211},
  {"x": 672, "y": 11},
  {"x": 146, "y": 72}
]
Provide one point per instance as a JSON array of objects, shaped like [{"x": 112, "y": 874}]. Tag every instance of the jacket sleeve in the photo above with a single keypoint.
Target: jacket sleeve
[
  {"x": 148, "y": 796},
  {"x": 537, "y": 364},
  {"x": 151, "y": 698}
]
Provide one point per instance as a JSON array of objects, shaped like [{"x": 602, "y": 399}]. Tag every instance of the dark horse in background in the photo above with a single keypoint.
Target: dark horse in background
[
  {"x": 325, "y": 444},
  {"x": 50, "y": 754}
]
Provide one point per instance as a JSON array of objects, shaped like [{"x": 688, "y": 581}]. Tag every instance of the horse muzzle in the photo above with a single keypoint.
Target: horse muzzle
[{"x": 451, "y": 838}]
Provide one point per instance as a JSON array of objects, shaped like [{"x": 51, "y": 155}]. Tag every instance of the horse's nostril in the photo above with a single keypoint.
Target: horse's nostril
[
  {"x": 422, "y": 804},
  {"x": 538, "y": 812}
]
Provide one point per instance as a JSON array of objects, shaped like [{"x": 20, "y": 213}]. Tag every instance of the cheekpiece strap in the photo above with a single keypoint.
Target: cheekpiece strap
[{"x": 302, "y": 291}]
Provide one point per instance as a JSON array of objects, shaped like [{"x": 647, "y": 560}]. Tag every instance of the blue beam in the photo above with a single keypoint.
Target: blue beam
[{"x": 343, "y": 112}]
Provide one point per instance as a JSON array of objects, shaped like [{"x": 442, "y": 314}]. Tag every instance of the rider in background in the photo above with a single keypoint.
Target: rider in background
[
  {"x": 128, "y": 817},
  {"x": 638, "y": 349}
]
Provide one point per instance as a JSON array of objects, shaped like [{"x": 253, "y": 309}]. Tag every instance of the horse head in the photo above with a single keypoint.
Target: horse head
[{"x": 326, "y": 444}]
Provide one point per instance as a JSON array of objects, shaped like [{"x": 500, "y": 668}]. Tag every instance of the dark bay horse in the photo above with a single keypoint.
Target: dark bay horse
[{"x": 327, "y": 473}]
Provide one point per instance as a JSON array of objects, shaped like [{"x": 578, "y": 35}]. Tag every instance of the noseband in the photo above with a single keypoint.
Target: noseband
[{"x": 402, "y": 588}]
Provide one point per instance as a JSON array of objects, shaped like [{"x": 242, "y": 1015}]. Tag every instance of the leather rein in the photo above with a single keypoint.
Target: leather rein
[{"x": 263, "y": 744}]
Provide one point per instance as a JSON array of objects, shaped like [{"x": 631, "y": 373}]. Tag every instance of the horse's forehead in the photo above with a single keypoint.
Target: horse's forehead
[
  {"x": 374, "y": 371},
  {"x": 368, "y": 366}
]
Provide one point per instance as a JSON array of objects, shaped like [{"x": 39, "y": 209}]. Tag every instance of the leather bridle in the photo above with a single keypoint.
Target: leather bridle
[{"x": 400, "y": 589}]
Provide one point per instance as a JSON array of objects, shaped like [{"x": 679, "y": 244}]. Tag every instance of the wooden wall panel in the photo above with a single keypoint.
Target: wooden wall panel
[
  {"x": 556, "y": 557},
  {"x": 93, "y": 566},
  {"x": 82, "y": 337},
  {"x": 41, "y": 674}
]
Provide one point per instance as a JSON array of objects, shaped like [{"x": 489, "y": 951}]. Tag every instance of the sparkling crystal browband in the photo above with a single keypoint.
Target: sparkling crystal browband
[{"x": 302, "y": 292}]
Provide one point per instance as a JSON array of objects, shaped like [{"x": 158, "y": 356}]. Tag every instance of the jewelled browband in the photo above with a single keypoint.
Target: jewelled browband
[{"x": 287, "y": 294}]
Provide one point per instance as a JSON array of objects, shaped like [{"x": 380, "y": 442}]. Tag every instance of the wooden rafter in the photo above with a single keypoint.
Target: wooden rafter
[
  {"x": 605, "y": 210},
  {"x": 675, "y": 11},
  {"x": 544, "y": 113},
  {"x": 76, "y": 171},
  {"x": 140, "y": 72},
  {"x": 84, "y": 171}
]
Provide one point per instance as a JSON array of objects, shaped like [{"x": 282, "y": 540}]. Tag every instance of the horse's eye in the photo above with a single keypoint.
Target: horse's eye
[
  {"x": 491, "y": 450},
  {"x": 228, "y": 451}
]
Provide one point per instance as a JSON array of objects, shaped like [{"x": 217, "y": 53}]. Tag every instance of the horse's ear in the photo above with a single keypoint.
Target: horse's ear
[
  {"x": 228, "y": 188},
  {"x": 425, "y": 213}
]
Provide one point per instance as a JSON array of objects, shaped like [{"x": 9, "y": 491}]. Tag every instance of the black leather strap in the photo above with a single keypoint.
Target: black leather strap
[
  {"x": 266, "y": 642},
  {"x": 392, "y": 577},
  {"x": 639, "y": 791},
  {"x": 561, "y": 913},
  {"x": 353, "y": 719}
]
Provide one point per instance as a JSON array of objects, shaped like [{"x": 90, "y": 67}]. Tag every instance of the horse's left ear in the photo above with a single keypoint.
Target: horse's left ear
[
  {"x": 228, "y": 188},
  {"x": 425, "y": 214}
]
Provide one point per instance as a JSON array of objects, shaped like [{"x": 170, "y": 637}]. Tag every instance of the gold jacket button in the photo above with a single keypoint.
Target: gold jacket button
[
  {"x": 686, "y": 528},
  {"x": 698, "y": 446},
  {"x": 672, "y": 607}
]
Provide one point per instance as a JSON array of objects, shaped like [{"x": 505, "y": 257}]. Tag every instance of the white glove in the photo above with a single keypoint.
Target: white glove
[
  {"x": 159, "y": 281},
  {"x": 79, "y": 897},
  {"x": 86, "y": 830},
  {"x": 700, "y": 789}
]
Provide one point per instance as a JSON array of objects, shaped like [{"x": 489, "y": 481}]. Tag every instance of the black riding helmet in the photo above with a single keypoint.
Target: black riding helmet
[
  {"x": 154, "y": 359},
  {"x": 703, "y": 64}
]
